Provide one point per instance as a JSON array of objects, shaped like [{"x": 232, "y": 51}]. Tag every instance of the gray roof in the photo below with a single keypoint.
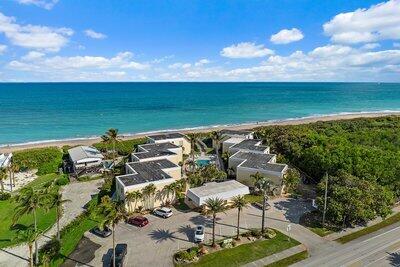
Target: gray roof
[
  {"x": 149, "y": 171},
  {"x": 166, "y": 136},
  {"x": 258, "y": 161},
  {"x": 154, "y": 150},
  {"x": 84, "y": 152},
  {"x": 250, "y": 144}
]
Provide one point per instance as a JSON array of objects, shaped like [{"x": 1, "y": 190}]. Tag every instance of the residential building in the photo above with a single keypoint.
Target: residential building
[
  {"x": 233, "y": 137},
  {"x": 156, "y": 151},
  {"x": 197, "y": 196},
  {"x": 177, "y": 139},
  {"x": 84, "y": 157}
]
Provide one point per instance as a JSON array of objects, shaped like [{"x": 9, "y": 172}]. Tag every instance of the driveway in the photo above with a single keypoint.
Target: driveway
[
  {"x": 157, "y": 242},
  {"x": 79, "y": 194}
]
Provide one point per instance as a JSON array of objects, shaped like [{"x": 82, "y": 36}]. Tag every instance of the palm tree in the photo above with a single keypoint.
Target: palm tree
[
  {"x": 113, "y": 213},
  {"x": 148, "y": 195},
  {"x": 3, "y": 176},
  {"x": 56, "y": 200},
  {"x": 14, "y": 168},
  {"x": 169, "y": 189},
  {"x": 265, "y": 186},
  {"x": 214, "y": 206},
  {"x": 216, "y": 137},
  {"x": 111, "y": 137},
  {"x": 29, "y": 201},
  {"x": 240, "y": 203},
  {"x": 193, "y": 142},
  {"x": 29, "y": 235},
  {"x": 133, "y": 196}
]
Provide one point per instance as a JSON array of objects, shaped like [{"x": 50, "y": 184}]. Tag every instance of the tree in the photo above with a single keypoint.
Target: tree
[
  {"x": 148, "y": 193},
  {"x": 216, "y": 136},
  {"x": 169, "y": 190},
  {"x": 112, "y": 212},
  {"x": 352, "y": 201},
  {"x": 291, "y": 180},
  {"x": 193, "y": 142},
  {"x": 214, "y": 206},
  {"x": 29, "y": 201},
  {"x": 29, "y": 235},
  {"x": 3, "y": 176},
  {"x": 111, "y": 137},
  {"x": 56, "y": 200},
  {"x": 265, "y": 186},
  {"x": 133, "y": 196},
  {"x": 209, "y": 173},
  {"x": 240, "y": 203},
  {"x": 14, "y": 169}
]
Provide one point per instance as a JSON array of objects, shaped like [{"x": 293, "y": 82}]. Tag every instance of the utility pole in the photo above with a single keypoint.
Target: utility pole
[{"x": 325, "y": 199}]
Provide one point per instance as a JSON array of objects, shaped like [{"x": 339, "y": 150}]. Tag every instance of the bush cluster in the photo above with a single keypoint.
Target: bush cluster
[
  {"x": 4, "y": 196},
  {"x": 46, "y": 160}
]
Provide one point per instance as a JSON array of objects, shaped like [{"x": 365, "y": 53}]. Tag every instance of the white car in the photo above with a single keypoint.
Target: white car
[
  {"x": 199, "y": 234},
  {"x": 163, "y": 212}
]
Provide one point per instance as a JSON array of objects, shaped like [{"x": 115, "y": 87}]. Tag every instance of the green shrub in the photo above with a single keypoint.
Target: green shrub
[
  {"x": 46, "y": 160},
  {"x": 123, "y": 148},
  {"x": 5, "y": 196},
  {"x": 62, "y": 181},
  {"x": 255, "y": 233},
  {"x": 49, "y": 251},
  {"x": 188, "y": 255},
  {"x": 270, "y": 233}
]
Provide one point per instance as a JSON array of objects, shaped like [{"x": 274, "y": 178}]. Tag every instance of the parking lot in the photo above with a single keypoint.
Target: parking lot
[{"x": 155, "y": 243}]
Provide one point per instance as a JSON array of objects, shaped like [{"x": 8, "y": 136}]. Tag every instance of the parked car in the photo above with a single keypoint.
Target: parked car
[
  {"x": 102, "y": 232},
  {"x": 259, "y": 205},
  {"x": 199, "y": 234},
  {"x": 163, "y": 212},
  {"x": 120, "y": 253},
  {"x": 139, "y": 221}
]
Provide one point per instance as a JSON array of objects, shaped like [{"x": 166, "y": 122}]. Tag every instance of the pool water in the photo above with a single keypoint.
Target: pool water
[{"x": 203, "y": 162}]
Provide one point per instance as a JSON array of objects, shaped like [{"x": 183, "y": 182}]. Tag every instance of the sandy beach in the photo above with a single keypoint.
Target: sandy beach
[{"x": 89, "y": 141}]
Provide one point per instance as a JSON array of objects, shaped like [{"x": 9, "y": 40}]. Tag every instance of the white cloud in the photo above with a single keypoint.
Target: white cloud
[
  {"x": 34, "y": 36},
  {"x": 379, "y": 22},
  {"x": 246, "y": 50},
  {"x": 3, "y": 48},
  {"x": 202, "y": 62},
  {"x": 36, "y": 62},
  {"x": 95, "y": 35},
  {"x": 286, "y": 36},
  {"x": 179, "y": 65},
  {"x": 46, "y": 4},
  {"x": 370, "y": 46}
]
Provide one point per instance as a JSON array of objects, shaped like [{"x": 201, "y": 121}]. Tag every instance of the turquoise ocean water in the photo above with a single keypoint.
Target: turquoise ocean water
[{"x": 31, "y": 112}]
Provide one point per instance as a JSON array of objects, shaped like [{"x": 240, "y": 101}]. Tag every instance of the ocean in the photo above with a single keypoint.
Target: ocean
[{"x": 32, "y": 112}]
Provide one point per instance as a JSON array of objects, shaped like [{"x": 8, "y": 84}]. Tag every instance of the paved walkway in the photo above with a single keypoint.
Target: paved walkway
[
  {"x": 276, "y": 257},
  {"x": 79, "y": 194}
]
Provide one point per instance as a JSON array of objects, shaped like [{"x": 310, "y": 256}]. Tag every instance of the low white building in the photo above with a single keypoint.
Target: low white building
[
  {"x": 233, "y": 137},
  {"x": 5, "y": 160},
  {"x": 177, "y": 139},
  {"x": 197, "y": 196},
  {"x": 85, "y": 157}
]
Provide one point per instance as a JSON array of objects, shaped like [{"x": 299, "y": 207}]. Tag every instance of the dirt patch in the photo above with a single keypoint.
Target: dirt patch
[{"x": 83, "y": 253}]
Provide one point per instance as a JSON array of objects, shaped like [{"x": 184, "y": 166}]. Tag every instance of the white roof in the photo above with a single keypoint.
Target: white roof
[
  {"x": 5, "y": 160},
  {"x": 223, "y": 190},
  {"x": 82, "y": 153},
  {"x": 235, "y": 140}
]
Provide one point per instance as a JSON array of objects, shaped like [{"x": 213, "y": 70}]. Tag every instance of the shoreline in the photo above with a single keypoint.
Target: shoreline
[{"x": 200, "y": 129}]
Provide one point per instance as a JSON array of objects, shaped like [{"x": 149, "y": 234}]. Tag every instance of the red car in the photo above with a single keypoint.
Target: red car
[{"x": 139, "y": 221}]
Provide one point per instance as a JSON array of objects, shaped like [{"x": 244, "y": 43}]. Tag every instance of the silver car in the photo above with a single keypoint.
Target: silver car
[{"x": 163, "y": 212}]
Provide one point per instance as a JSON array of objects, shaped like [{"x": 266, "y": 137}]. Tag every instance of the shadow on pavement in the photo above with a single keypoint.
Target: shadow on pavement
[
  {"x": 161, "y": 235},
  {"x": 83, "y": 253},
  {"x": 292, "y": 208},
  {"x": 394, "y": 259}
]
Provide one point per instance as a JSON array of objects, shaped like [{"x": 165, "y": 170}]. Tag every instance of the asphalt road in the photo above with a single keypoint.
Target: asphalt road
[{"x": 379, "y": 249}]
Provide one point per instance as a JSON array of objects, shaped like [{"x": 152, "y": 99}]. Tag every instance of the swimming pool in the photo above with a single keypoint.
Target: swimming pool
[{"x": 203, "y": 162}]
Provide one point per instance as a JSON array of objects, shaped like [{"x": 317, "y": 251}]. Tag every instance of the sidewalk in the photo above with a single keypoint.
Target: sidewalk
[{"x": 277, "y": 256}]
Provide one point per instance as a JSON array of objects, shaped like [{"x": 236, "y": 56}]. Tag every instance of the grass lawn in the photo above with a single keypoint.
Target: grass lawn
[
  {"x": 312, "y": 220},
  {"x": 45, "y": 220},
  {"x": 246, "y": 253},
  {"x": 290, "y": 260},
  {"x": 253, "y": 198},
  {"x": 391, "y": 220}
]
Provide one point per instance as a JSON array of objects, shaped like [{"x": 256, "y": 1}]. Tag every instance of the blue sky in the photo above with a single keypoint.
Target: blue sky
[{"x": 71, "y": 40}]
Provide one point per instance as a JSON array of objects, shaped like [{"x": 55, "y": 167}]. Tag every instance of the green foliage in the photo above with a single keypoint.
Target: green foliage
[
  {"x": 290, "y": 260},
  {"x": 206, "y": 174},
  {"x": 46, "y": 160},
  {"x": 4, "y": 196},
  {"x": 354, "y": 201},
  {"x": 367, "y": 148},
  {"x": 291, "y": 180},
  {"x": 124, "y": 148},
  {"x": 63, "y": 180},
  {"x": 50, "y": 250}
]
